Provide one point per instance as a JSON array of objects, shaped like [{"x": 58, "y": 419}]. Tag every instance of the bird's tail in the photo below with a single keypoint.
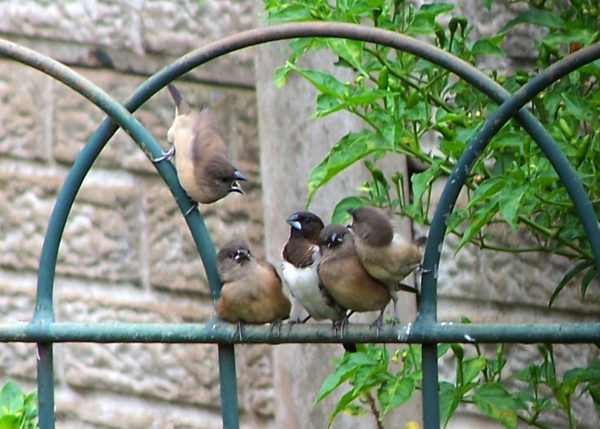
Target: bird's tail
[
  {"x": 180, "y": 104},
  {"x": 349, "y": 347}
]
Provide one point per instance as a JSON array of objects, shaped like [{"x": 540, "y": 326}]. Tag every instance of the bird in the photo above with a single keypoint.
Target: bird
[
  {"x": 201, "y": 159},
  {"x": 386, "y": 255},
  {"x": 342, "y": 274},
  {"x": 252, "y": 291},
  {"x": 301, "y": 258}
]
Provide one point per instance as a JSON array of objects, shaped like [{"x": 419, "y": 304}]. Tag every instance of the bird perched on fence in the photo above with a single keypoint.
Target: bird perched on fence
[
  {"x": 201, "y": 158},
  {"x": 386, "y": 255},
  {"x": 301, "y": 258},
  {"x": 252, "y": 291},
  {"x": 344, "y": 277}
]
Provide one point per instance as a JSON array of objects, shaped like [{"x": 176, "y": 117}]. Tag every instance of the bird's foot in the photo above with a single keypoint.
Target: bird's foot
[
  {"x": 276, "y": 326},
  {"x": 339, "y": 326},
  {"x": 240, "y": 330},
  {"x": 166, "y": 156},
  {"x": 378, "y": 323},
  {"x": 407, "y": 288}
]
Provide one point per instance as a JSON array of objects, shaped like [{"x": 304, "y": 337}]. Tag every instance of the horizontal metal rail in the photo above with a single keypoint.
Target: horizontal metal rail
[
  {"x": 226, "y": 333},
  {"x": 45, "y": 331}
]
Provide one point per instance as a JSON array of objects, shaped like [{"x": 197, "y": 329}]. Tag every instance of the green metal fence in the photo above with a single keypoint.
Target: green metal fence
[{"x": 45, "y": 331}]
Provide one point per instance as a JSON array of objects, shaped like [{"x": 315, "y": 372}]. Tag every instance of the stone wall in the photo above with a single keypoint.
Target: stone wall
[{"x": 126, "y": 255}]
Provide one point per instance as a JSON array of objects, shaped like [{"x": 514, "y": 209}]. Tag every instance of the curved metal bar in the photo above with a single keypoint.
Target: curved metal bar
[
  {"x": 226, "y": 333},
  {"x": 478, "y": 143},
  {"x": 44, "y": 312},
  {"x": 253, "y": 37},
  {"x": 287, "y": 31}
]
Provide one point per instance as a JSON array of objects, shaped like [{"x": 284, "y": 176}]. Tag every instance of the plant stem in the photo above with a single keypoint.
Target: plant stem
[
  {"x": 533, "y": 422},
  {"x": 374, "y": 411},
  {"x": 430, "y": 96}
]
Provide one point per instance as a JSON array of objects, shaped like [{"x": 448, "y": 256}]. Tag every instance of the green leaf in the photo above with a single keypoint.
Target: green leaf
[
  {"x": 509, "y": 205},
  {"x": 422, "y": 181},
  {"x": 472, "y": 367},
  {"x": 442, "y": 349},
  {"x": 343, "y": 404},
  {"x": 327, "y": 104},
  {"x": 11, "y": 398},
  {"x": 280, "y": 76},
  {"x": 495, "y": 402},
  {"x": 9, "y": 421},
  {"x": 424, "y": 18},
  {"x": 293, "y": 12},
  {"x": 397, "y": 394},
  {"x": 489, "y": 46},
  {"x": 587, "y": 279},
  {"x": 350, "y": 50},
  {"x": 540, "y": 17},
  {"x": 567, "y": 278},
  {"x": 340, "y": 212},
  {"x": 324, "y": 82},
  {"x": 482, "y": 218},
  {"x": 351, "y": 148},
  {"x": 449, "y": 400},
  {"x": 346, "y": 368}
]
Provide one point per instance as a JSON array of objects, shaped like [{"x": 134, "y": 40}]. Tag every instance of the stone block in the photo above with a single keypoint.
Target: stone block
[
  {"x": 84, "y": 409},
  {"x": 17, "y": 298},
  {"x": 101, "y": 238},
  {"x": 174, "y": 260},
  {"x": 137, "y": 37},
  {"x": 179, "y": 373},
  {"x": 77, "y": 118},
  {"x": 25, "y": 112}
]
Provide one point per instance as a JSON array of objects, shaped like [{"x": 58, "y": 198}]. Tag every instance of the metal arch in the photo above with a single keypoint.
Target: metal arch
[
  {"x": 394, "y": 40},
  {"x": 569, "y": 179},
  {"x": 44, "y": 313}
]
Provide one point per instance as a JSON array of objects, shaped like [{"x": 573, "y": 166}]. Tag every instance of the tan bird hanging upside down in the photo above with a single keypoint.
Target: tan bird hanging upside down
[{"x": 201, "y": 159}]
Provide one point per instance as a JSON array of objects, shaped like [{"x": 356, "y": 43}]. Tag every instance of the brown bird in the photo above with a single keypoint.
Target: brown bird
[
  {"x": 251, "y": 290},
  {"x": 387, "y": 256},
  {"x": 344, "y": 277},
  {"x": 301, "y": 258},
  {"x": 201, "y": 158}
]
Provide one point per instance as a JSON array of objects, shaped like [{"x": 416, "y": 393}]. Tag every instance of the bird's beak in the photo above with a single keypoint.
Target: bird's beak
[
  {"x": 235, "y": 187},
  {"x": 332, "y": 240},
  {"x": 294, "y": 222},
  {"x": 241, "y": 254},
  {"x": 238, "y": 176}
]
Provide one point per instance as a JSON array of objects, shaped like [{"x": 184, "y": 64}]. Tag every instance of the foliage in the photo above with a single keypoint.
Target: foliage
[
  {"x": 405, "y": 101},
  {"x": 17, "y": 410},
  {"x": 413, "y": 108},
  {"x": 534, "y": 392}
]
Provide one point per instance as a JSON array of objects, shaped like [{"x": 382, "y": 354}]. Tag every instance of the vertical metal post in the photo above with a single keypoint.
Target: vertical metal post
[
  {"x": 228, "y": 382},
  {"x": 431, "y": 401},
  {"x": 45, "y": 383}
]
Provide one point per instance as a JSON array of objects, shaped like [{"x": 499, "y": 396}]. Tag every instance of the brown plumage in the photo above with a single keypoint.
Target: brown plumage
[
  {"x": 251, "y": 290},
  {"x": 388, "y": 257},
  {"x": 201, "y": 157},
  {"x": 343, "y": 275}
]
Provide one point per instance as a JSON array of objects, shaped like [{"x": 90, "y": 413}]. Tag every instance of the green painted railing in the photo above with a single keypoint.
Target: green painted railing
[{"x": 44, "y": 331}]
